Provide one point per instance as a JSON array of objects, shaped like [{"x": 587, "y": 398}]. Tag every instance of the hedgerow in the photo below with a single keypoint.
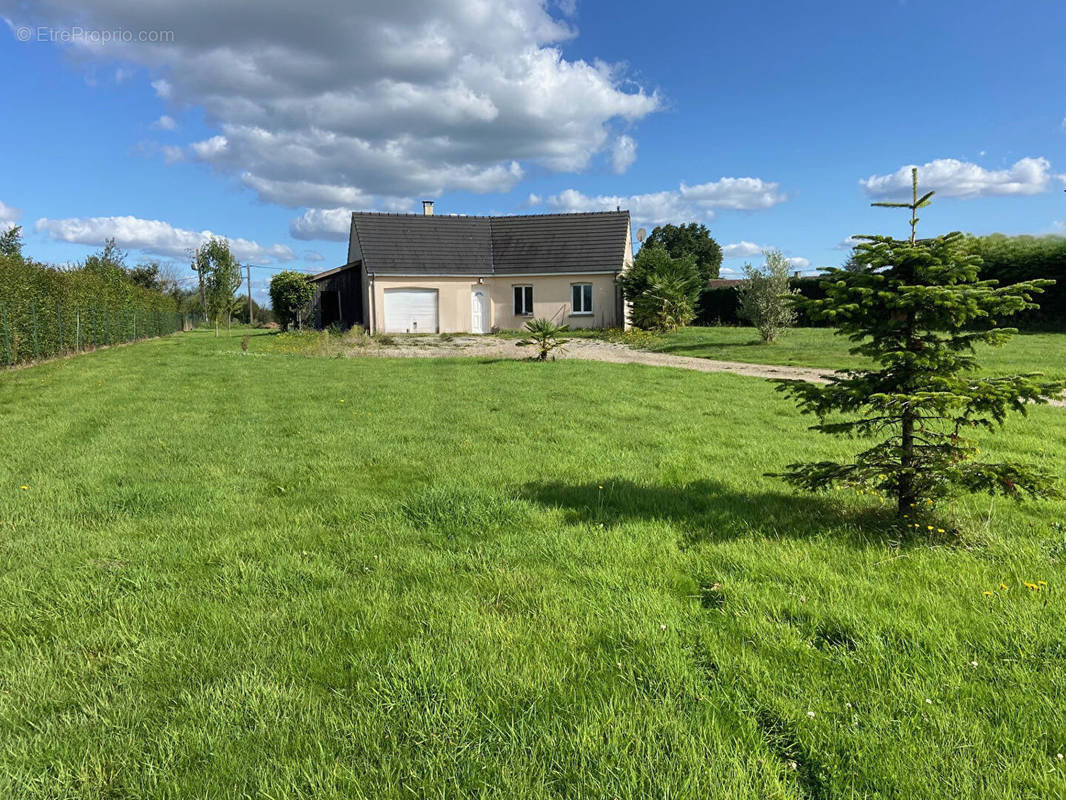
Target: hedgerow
[{"x": 46, "y": 311}]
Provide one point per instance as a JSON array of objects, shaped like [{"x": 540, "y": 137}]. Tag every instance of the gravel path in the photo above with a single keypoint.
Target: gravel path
[{"x": 589, "y": 350}]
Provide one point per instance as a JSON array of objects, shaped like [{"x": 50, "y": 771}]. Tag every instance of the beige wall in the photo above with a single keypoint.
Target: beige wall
[{"x": 551, "y": 299}]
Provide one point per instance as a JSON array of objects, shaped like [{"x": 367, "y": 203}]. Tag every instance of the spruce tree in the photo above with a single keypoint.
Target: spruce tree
[{"x": 917, "y": 308}]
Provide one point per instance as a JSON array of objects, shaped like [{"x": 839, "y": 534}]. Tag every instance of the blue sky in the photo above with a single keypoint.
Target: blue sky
[{"x": 775, "y": 123}]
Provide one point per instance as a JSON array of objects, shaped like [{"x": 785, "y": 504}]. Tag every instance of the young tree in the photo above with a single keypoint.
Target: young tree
[
  {"x": 765, "y": 296},
  {"x": 689, "y": 240},
  {"x": 222, "y": 278},
  {"x": 661, "y": 290},
  {"x": 290, "y": 295},
  {"x": 917, "y": 310}
]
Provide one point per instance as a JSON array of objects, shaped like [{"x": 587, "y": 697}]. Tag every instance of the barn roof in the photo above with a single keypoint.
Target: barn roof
[{"x": 416, "y": 244}]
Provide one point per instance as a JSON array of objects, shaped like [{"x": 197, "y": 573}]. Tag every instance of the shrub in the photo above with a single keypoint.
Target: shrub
[
  {"x": 544, "y": 335},
  {"x": 764, "y": 296},
  {"x": 290, "y": 295},
  {"x": 662, "y": 290}
]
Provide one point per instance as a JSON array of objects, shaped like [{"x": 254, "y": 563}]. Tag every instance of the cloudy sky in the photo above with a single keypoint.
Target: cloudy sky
[{"x": 775, "y": 123}]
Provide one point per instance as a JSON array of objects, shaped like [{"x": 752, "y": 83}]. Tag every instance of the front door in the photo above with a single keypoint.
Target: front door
[{"x": 479, "y": 310}]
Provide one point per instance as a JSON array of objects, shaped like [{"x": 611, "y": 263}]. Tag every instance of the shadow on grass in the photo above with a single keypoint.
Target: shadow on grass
[{"x": 710, "y": 511}]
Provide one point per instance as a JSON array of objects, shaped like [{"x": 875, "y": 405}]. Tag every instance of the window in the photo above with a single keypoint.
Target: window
[
  {"x": 581, "y": 298},
  {"x": 523, "y": 301}
]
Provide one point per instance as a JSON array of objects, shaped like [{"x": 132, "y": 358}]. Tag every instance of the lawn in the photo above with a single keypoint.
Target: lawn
[
  {"x": 822, "y": 348},
  {"x": 266, "y": 575}
]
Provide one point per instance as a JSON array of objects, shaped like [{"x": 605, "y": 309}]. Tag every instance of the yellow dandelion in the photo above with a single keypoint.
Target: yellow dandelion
[
  {"x": 988, "y": 594},
  {"x": 1041, "y": 583},
  {"x": 1030, "y": 585},
  {"x": 930, "y": 527},
  {"x": 1004, "y": 586},
  {"x": 25, "y": 488},
  {"x": 940, "y": 530}
]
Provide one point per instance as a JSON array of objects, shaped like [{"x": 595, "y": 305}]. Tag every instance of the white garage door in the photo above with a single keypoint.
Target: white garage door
[{"x": 410, "y": 310}]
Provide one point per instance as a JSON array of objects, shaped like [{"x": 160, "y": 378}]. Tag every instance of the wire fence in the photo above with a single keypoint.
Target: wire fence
[{"x": 41, "y": 331}]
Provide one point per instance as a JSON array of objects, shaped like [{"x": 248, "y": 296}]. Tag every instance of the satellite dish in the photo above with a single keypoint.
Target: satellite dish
[{"x": 641, "y": 235}]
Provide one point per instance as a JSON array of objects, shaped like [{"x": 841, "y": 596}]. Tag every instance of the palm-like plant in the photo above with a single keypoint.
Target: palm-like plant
[{"x": 544, "y": 335}]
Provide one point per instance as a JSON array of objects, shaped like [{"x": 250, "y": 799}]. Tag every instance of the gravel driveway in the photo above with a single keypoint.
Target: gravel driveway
[
  {"x": 586, "y": 350},
  {"x": 582, "y": 350}
]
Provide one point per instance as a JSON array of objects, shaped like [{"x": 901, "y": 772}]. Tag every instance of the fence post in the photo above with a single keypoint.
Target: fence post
[
  {"x": 77, "y": 330},
  {"x": 7, "y": 337}
]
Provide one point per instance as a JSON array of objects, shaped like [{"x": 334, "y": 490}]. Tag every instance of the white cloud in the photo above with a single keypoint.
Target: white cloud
[
  {"x": 799, "y": 262},
  {"x": 313, "y": 255},
  {"x": 172, "y": 153},
  {"x": 685, "y": 204},
  {"x": 623, "y": 154},
  {"x": 209, "y": 149},
  {"x": 953, "y": 178},
  {"x": 384, "y": 99},
  {"x": 847, "y": 244},
  {"x": 742, "y": 250},
  {"x": 9, "y": 216},
  {"x": 165, "y": 123},
  {"x": 745, "y": 194},
  {"x": 154, "y": 236},
  {"x": 333, "y": 224}
]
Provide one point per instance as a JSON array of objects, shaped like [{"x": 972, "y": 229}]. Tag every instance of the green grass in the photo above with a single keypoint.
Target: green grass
[
  {"x": 271, "y": 575},
  {"x": 821, "y": 348}
]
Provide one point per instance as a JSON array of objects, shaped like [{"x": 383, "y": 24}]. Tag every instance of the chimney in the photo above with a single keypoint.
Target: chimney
[
  {"x": 796, "y": 274},
  {"x": 427, "y": 208}
]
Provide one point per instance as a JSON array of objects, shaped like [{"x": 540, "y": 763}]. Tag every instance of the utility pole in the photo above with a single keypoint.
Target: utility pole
[{"x": 248, "y": 267}]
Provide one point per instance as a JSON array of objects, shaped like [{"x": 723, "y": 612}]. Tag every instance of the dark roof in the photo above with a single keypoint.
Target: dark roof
[
  {"x": 414, "y": 244},
  {"x": 320, "y": 275},
  {"x": 561, "y": 242},
  {"x": 719, "y": 283}
]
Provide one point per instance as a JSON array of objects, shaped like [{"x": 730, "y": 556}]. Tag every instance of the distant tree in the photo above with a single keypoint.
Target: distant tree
[
  {"x": 222, "y": 278},
  {"x": 916, "y": 310},
  {"x": 108, "y": 263},
  {"x": 290, "y": 295},
  {"x": 146, "y": 275},
  {"x": 764, "y": 296},
  {"x": 661, "y": 290},
  {"x": 693, "y": 240},
  {"x": 11, "y": 242},
  {"x": 852, "y": 264}
]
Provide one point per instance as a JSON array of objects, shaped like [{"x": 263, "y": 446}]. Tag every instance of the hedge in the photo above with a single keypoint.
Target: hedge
[
  {"x": 1007, "y": 259},
  {"x": 47, "y": 312}
]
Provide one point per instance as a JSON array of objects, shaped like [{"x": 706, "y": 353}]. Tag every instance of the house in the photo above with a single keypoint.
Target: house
[{"x": 411, "y": 273}]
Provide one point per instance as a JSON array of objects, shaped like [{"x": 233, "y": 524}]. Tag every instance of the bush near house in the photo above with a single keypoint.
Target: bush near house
[
  {"x": 662, "y": 290},
  {"x": 290, "y": 295}
]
